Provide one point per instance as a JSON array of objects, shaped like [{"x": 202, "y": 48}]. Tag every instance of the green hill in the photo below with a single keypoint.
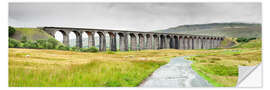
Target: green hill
[
  {"x": 247, "y": 30},
  {"x": 251, "y": 44},
  {"x": 30, "y": 33}
]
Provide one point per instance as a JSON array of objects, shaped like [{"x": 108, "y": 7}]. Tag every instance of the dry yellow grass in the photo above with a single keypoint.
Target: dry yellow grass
[
  {"x": 41, "y": 67},
  {"x": 221, "y": 67}
]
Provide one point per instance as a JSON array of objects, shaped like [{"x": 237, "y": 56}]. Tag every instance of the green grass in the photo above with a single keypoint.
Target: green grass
[
  {"x": 84, "y": 75},
  {"x": 223, "y": 29},
  {"x": 220, "y": 68},
  {"x": 251, "y": 44},
  {"x": 213, "y": 82},
  {"x": 57, "y": 68},
  {"x": 31, "y": 34}
]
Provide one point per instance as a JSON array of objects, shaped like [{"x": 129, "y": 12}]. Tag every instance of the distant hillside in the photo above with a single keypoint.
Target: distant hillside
[
  {"x": 218, "y": 29},
  {"x": 30, "y": 33}
]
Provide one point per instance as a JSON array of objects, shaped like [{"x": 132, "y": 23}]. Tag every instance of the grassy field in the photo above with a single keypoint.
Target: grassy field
[
  {"x": 30, "y": 33},
  {"x": 56, "y": 68},
  {"x": 235, "y": 30},
  {"x": 36, "y": 67},
  {"x": 221, "y": 67}
]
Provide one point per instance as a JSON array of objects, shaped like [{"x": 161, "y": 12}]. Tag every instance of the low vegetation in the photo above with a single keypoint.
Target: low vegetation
[
  {"x": 235, "y": 30},
  {"x": 31, "y": 34},
  {"x": 46, "y": 44},
  {"x": 32, "y": 64},
  {"x": 220, "y": 68},
  {"x": 240, "y": 40},
  {"x": 57, "y": 68},
  {"x": 35, "y": 68},
  {"x": 251, "y": 44},
  {"x": 11, "y": 31}
]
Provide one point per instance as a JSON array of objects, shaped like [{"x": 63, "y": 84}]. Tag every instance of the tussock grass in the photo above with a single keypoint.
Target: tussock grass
[
  {"x": 220, "y": 68},
  {"x": 251, "y": 44},
  {"x": 31, "y": 34},
  {"x": 56, "y": 68}
]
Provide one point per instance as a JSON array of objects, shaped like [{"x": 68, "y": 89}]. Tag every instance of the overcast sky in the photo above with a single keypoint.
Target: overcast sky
[{"x": 130, "y": 16}]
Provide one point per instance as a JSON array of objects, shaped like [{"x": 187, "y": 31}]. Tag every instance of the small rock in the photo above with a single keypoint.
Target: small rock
[{"x": 142, "y": 58}]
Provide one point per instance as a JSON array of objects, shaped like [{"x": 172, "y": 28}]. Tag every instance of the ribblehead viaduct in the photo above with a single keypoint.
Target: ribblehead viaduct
[{"x": 138, "y": 40}]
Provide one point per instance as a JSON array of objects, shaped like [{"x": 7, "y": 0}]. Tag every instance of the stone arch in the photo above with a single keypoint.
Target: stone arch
[
  {"x": 156, "y": 41},
  {"x": 211, "y": 42},
  {"x": 85, "y": 40},
  {"x": 113, "y": 44},
  {"x": 133, "y": 41},
  {"x": 123, "y": 41},
  {"x": 194, "y": 42},
  {"x": 199, "y": 42},
  {"x": 214, "y": 42},
  {"x": 181, "y": 42},
  {"x": 149, "y": 41},
  {"x": 176, "y": 42},
  {"x": 203, "y": 39},
  {"x": 207, "y": 44},
  {"x": 186, "y": 42},
  {"x": 141, "y": 41},
  {"x": 65, "y": 37},
  {"x": 102, "y": 41},
  {"x": 168, "y": 41},
  {"x": 78, "y": 38},
  {"x": 91, "y": 38},
  {"x": 162, "y": 41}
]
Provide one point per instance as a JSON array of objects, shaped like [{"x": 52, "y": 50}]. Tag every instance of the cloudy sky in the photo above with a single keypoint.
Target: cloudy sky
[{"x": 130, "y": 16}]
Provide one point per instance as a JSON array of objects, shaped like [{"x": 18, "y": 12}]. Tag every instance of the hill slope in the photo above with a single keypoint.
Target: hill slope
[
  {"x": 30, "y": 33},
  {"x": 218, "y": 29}
]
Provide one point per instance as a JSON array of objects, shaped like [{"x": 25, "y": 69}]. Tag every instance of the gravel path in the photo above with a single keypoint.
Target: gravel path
[{"x": 177, "y": 73}]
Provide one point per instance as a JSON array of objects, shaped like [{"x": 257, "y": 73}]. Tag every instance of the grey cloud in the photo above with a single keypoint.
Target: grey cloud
[{"x": 130, "y": 16}]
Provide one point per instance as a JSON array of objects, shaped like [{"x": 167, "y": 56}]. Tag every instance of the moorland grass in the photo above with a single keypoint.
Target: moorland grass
[
  {"x": 220, "y": 68},
  {"x": 57, "y": 68},
  {"x": 30, "y": 34}
]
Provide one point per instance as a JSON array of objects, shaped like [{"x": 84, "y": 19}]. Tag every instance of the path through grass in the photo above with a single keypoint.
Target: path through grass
[
  {"x": 41, "y": 67},
  {"x": 56, "y": 68}
]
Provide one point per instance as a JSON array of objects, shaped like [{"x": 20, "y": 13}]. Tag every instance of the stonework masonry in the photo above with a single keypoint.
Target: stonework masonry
[{"x": 135, "y": 40}]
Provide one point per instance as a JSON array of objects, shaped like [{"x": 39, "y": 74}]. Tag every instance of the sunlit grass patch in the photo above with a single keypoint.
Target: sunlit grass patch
[
  {"x": 220, "y": 68},
  {"x": 251, "y": 44},
  {"x": 54, "y": 68},
  {"x": 57, "y": 68}
]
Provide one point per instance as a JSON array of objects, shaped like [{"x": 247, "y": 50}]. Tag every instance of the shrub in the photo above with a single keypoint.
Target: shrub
[
  {"x": 12, "y": 43},
  {"x": 244, "y": 39},
  {"x": 53, "y": 43},
  {"x": 75, "y": 48},
  {"x": 41, "y": 43},
  {"x": 47, "y": 44},
  {"x": 251, "y": 44},
  {"x": 24, "y": 39},
  {"x": 11, "y": 31},
  {"x": 30, "y": 44},
  {"x": 110, "y": 52},
  {"x": 62, "y": 47},
  {"x": 91, "y": 49}
]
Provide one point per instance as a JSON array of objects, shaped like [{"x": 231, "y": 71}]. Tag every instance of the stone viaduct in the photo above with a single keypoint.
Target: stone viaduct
[{"x": 138, "y": 40}]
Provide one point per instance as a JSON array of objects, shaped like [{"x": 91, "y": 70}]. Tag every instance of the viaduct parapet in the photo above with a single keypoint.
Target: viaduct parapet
[{"x": 138, "y": 40}]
